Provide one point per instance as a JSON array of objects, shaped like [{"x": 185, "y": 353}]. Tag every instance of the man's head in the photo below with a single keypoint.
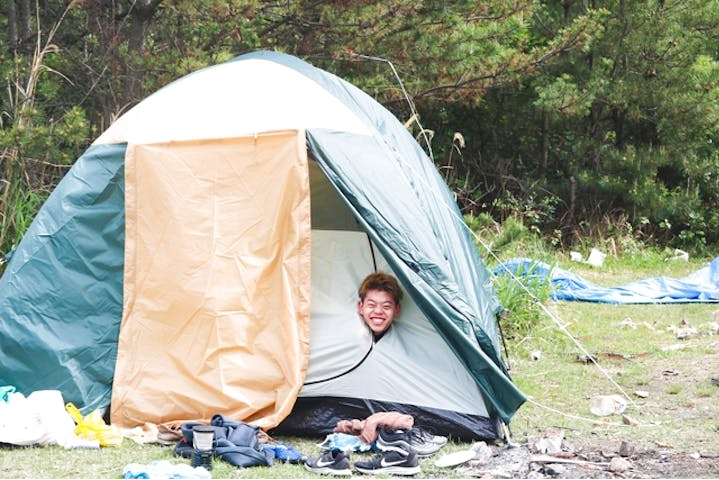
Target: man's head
[{"x": 379, "y": 304}]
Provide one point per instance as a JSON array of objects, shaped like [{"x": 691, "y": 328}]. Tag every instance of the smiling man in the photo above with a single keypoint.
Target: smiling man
[{"x": 379, "y": 304}]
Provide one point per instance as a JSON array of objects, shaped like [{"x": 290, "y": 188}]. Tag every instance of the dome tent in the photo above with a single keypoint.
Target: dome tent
[{"x": 203, "y": 256}]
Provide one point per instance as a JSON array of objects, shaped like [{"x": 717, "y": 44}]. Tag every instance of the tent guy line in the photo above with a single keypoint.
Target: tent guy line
[
  {"x": 585, "y": 419},
  {"x": 415, "y": 115},
  {"x": 463, "y": 224}
]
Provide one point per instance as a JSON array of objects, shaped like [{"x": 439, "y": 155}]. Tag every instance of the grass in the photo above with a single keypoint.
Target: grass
[
  {"x": 20, "y": 211},
  {"x": 56, "y": 462},
  {"x": 635, "y": 349}
]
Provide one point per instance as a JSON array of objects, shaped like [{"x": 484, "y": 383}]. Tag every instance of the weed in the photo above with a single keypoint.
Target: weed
[
  {"x": 521, "y": 297},
  {"x": 704, "y": 391},
  {"x": 22, "y": 207},
  {"x": 675, "y": 389}
]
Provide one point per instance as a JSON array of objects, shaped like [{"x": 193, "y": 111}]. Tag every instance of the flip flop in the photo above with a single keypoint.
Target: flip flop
[{"x": 455, "y": 458}]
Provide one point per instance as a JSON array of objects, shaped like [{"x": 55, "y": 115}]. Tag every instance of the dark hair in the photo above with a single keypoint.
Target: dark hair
[{"x": 381, "y": 281}]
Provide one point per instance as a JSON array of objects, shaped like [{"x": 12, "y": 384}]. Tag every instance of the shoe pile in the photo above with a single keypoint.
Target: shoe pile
[{"x": 401, "y": 450}]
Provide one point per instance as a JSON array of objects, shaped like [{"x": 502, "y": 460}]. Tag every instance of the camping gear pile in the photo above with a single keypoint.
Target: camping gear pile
[{"x": 203, "y": 256}]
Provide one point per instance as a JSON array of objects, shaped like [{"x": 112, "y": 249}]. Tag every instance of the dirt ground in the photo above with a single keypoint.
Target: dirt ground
[
  {"x": 684, "y": 444},
  {"x": 672, "y": 433},
  {"x": 521, "y": 462}
]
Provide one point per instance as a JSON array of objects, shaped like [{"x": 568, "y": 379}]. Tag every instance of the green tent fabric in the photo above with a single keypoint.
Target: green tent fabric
[{"x": 61, "y": 294}]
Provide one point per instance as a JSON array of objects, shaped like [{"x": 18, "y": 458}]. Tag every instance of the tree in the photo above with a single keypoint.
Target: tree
[
  {"x": 564, "y": 111},
  {"x": 37, "y": 141},
  {"x": 622, "y": 128}
]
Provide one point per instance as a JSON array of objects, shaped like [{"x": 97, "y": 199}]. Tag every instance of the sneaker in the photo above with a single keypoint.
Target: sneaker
[
  {"x": 429, "y": 436},
  {"x": 394, "y": 441},
  {"x": 417, "y": 440},
  {"x": 333, "y": 462},
  {"x": 390, "y": 462}
]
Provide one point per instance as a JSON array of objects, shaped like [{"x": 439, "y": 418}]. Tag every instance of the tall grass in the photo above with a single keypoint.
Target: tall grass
[
  {"x": 519, "y": 295},
  {"x": 20, "y": 211}
]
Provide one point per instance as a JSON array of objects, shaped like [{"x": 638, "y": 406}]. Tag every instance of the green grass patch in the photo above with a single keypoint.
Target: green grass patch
[{"x": 674, "y": 389}]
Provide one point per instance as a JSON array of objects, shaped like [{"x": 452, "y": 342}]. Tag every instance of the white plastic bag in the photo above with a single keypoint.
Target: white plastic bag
[{"x": 19, "y": 424}]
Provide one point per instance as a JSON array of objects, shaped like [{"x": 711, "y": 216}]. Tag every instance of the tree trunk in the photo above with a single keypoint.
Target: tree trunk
[
  {"x": 544, "y": 155},
  {"x": 19, "y": 34},
  {"x": 141, "y": 12},
  {"x": 618, "y": 119}
]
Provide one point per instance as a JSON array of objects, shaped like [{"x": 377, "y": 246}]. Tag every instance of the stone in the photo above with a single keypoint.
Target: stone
[
  {"x": 619, "y": 464},
  {"x": 482, "y": 453},
  {"x": 626, "y": 449},
  {"x": 627, "y": 420}
]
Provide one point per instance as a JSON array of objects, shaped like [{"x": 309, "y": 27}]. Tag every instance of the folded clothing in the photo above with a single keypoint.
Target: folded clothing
[{"x": 368, "y": 429}]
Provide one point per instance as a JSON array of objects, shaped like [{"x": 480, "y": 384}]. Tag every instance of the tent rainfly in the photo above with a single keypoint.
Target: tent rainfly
[{"x": 203, "y": 256}]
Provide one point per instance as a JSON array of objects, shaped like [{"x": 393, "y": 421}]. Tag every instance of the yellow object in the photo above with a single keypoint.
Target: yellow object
[{"x": 93, "y": 427}]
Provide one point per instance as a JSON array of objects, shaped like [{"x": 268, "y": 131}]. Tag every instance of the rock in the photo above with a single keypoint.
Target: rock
[
  {"x": 608, "y": 453},
  {"x": 626, "y": 449},
  {"x": 627, "y": 420},
  {"x": 552, "y": 443},
  {"x": 482, "y": 453},
  {"x": 641, "y": 393},
  {"x": 619, "y": 464}
]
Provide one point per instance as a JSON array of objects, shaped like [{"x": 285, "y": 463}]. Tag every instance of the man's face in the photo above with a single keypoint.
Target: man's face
[{"x": 378, "y": 310}]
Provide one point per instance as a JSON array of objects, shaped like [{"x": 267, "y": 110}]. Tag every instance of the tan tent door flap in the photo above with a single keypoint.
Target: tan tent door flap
[{"x": 217, "y": 281}]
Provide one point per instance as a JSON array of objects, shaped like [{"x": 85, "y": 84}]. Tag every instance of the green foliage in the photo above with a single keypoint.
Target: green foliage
[
  {"x": 563, "y": 95},
  {"x": 521, "y": 295},
  {"x": 23, "y": 205},
  {"x": 621, "y": 124},
  {"x": 572, "y": 118},
  {"x": 41, "y": 132}
]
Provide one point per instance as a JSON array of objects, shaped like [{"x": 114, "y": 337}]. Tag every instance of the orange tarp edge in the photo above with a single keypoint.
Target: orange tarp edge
[{"x": 217, "y": 281}]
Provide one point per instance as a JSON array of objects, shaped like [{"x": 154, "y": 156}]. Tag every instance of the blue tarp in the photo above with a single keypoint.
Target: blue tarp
[{"x": 700, "y": 286}]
